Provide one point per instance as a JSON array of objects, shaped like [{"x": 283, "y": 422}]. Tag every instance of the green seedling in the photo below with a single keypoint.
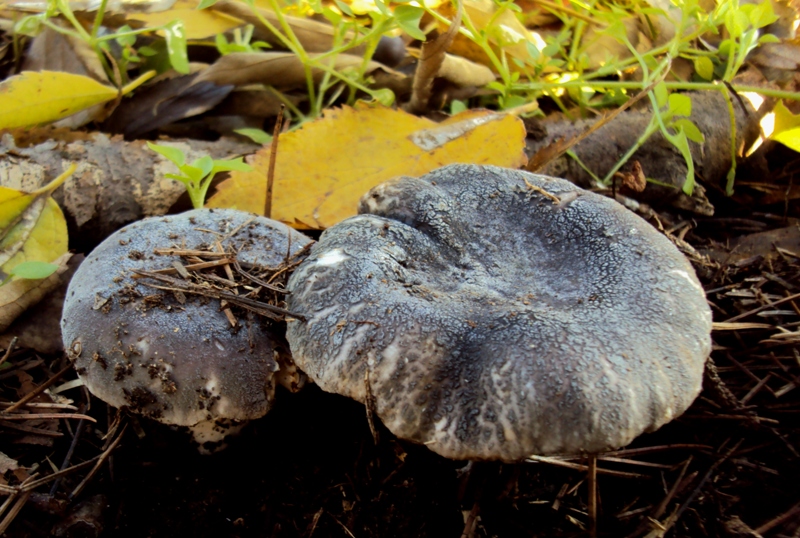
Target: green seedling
[
  {"x": 198, "y": 174},
  {"x": 174, "y": 36},
  {"x": 242, "y": 42}
]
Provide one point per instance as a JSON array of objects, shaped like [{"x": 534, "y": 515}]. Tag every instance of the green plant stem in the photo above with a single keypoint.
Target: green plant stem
[
  {"x": 621, "y": 65},
  {"x": 98, "y": 19},
  {"x": 289, "y": 40},
  {"x": 636, "y": 85},
  {"x": 732, "y": 172}
]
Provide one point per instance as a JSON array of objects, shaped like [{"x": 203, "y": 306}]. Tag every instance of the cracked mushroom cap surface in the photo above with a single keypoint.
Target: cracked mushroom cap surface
[
  {"x": 493, "y": 314},
  {"x": 176, "y": 360}
]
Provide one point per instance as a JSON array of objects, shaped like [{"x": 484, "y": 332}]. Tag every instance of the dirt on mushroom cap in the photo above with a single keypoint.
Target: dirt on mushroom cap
[
  {"x": 177, "y": 360},
  {"x": 496, "y": 314}
]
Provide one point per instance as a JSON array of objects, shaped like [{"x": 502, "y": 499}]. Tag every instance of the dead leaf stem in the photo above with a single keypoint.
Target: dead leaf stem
[{"x": 432, "y": 54}]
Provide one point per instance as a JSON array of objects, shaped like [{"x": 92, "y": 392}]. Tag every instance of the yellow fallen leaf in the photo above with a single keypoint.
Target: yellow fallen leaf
[
  {"x": 198, "y": 24},
  {"x": 31, "y": 98},
  {"x": 19, "y": 295},
  {"x": 36, "y": 97},
  {"x": 787, "y": 127},
  {"x": 32, "y": 225},
  {"x": 323, "y": 168}
]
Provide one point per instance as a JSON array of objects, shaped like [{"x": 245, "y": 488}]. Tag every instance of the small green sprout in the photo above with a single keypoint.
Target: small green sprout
[
  {"x": 198, "y": 174},
  {"x": 242, "y": 42}
]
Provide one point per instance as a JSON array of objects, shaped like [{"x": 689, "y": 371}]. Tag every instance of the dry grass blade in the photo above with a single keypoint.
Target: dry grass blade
[{"x": 583, "y": 468}]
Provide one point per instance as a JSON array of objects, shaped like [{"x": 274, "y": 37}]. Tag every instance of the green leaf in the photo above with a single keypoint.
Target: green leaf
[
  {"x": 175, "y": 36},
  {"x": 680, "y": 141},
  {"x": 125, "y": 40},
  {"x": 704, "y": 67},
  {"x": 206, "y": 3},
  {"x": 174, "y": 155},
  {"x": 344, "y": 8},
  {"x": 768, "y": 38},
  {"x": 33, "y": 270},
  {"x": 193, "y": 173},
  {"x": 256, "y": 135},
  {"x": 333, "y": 17},
  {"x": 205, "y": 164},
  {"x": 533, "y": 51},
  {"x": 29, "y": 25},
  {"x": 762, "y": 14},
  {"x": 408, "y": 19},
  {"x": 384, "y": 96},
  {"x": 513, "y": 101},
  {"x": 679, "y": 105},
  {"x": 381, "y": 5},
  {"x": 496, "y": 86},
  {"x": 222, "y": 43},
  {"x": 237, "y": 165},
  {"x": 183, "y": 179},
  {"x": 691, "y": 130},
  {"x": 457, "y": 106},
  {"x": 736, "y": 22}
]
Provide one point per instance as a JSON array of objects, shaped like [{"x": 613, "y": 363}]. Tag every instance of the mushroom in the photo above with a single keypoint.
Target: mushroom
[
  {"x": 493, "y": 314},
  {"x": 171, "y": 356}
]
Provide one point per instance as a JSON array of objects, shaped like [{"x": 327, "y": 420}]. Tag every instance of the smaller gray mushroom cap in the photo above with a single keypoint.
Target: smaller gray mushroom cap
[
  {"x": 180, "y": 363},
  {"x": 490, "y": 321}
]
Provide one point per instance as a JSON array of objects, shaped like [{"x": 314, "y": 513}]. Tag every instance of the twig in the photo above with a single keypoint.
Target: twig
[
  {"x": 187, "y": 252},
  {"x": 44, "y": 480},
  {"x": 555, "y": 199},
  {"x": 350, "y": 534},
  {"x": 255, "y": 279},
  {"x": 432, "y": 55},
  {"x": 273, "y": 156},
  {"x": 103, "y": 457},
  {"x": 7, "y": 354},
  {"x": 14, "y": 511},
  {"x": 702, "y": 483},
  {"x": 47, "y": 416},
  {"x": 673, "y": 490},
  {"x": 65, "y": 463},
  {"x": 471, "y": 521},
  {"x": 769, "y": 525},
  {"x": 583, "y": 468},
  {"x": 35, "y": 392},
  {"x": 258, "y": 307},
  {"x": 29, "y": 429},
  {"x": 763, "y": 307},
  {"x": 591, "y": 482}
]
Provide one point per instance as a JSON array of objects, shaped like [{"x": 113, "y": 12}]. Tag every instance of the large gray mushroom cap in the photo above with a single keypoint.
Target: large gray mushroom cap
[
  {"x": 489, "y": 321},
  {"x": 179, "y": 363}
]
